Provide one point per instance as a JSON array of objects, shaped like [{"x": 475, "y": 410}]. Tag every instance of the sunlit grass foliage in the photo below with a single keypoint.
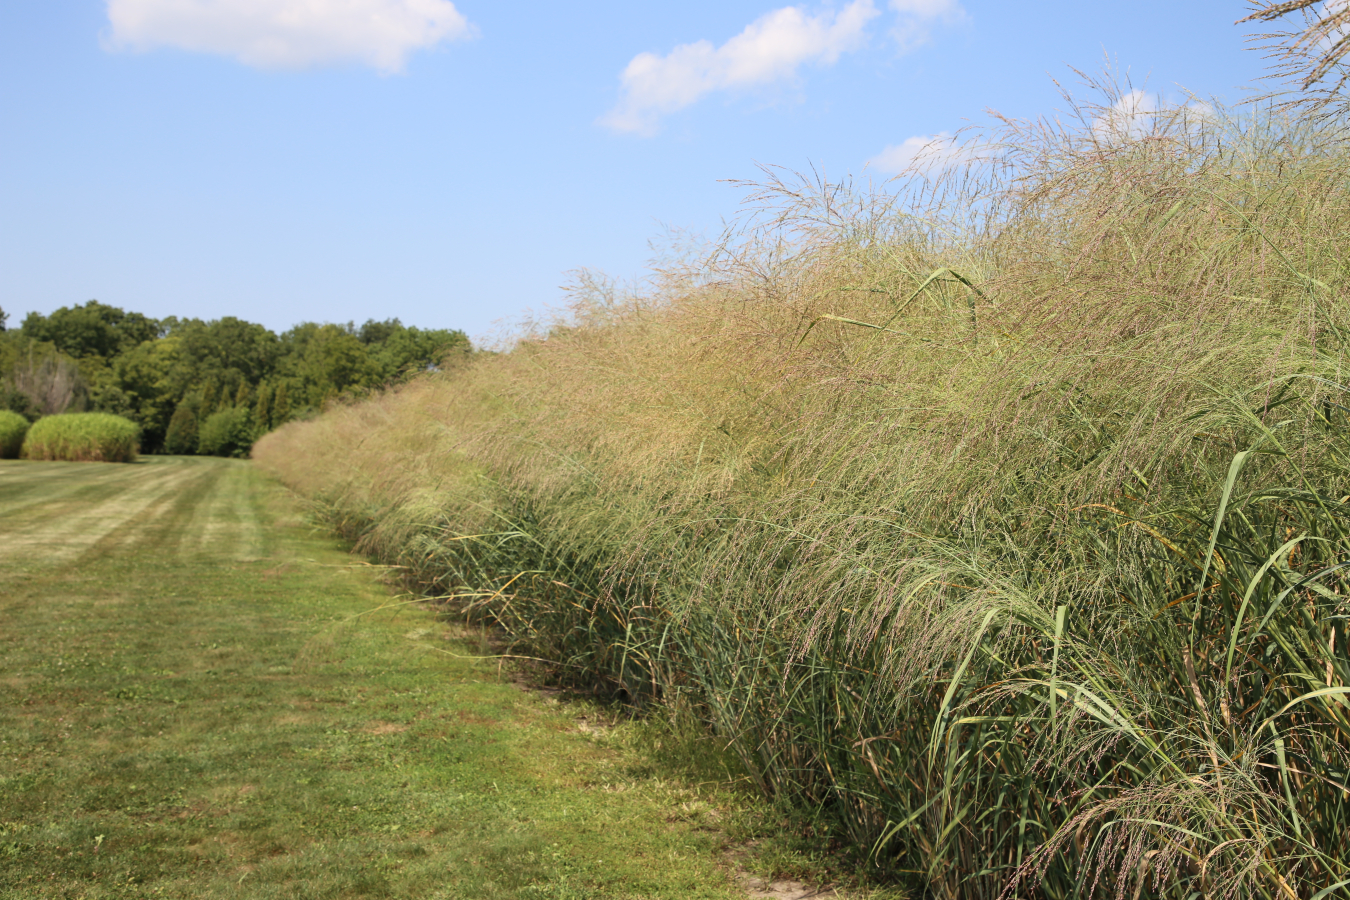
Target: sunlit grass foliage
[
  {"x": 1003, "y": 517},
  {"x": 13, "y": 427},
  {"x": 83, "y": 437}
]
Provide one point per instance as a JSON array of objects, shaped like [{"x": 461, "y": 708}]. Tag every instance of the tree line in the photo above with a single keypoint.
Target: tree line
[{"x": 199, "y": 386}]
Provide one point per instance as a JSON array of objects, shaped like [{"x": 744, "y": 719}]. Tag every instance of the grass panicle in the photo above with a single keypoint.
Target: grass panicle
[
  {"x": 1002, "y": 516},
  {"x": 83, "y": 437}
]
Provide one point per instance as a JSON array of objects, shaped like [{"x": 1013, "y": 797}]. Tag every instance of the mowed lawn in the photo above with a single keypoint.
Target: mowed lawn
[{"x": 202, "y": 697}]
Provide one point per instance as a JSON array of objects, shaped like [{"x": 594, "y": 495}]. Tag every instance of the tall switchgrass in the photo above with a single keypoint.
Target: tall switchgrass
[
  {"x": 83, "y": 437},
  {"x": 1002, "y": 518},
  {"x": 13, "y": 427}
]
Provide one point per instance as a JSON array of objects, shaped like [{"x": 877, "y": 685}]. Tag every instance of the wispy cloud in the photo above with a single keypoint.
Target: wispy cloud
[
  {"x": 289, "y": 34},
  {"x": 1138, "y": 114},
  {"x": 1133, "y": 115},
  {"x": 1129, "y": 118},
  {"x": 770, "y": 49},
  {"x": 915, "y": 19},
  {"x": 927, "y": 154}
]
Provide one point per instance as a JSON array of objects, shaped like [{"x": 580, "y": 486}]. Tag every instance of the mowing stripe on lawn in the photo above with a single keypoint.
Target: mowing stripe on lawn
[{"x": 201, "y": 698}]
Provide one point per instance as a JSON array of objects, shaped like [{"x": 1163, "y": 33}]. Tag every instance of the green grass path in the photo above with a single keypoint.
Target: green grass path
[{"x": 198, "y": 700}]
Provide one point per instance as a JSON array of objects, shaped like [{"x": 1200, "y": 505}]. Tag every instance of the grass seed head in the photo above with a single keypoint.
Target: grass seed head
[{"x": 970, "y": 498}]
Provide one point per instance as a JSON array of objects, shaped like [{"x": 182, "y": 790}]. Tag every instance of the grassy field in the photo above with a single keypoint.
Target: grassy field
[{"x": 201, "y": 698}]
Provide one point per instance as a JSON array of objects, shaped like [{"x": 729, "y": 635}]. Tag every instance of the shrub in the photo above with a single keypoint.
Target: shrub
[
  {"x": 83, "y": 437},
  {"x": 228, "y": 432},
  {"x": 12, "y": 429},
  {"x": 182, "y": 434}
]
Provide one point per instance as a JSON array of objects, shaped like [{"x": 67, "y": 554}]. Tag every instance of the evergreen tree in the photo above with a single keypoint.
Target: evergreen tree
[
  {"x": 182, "y": 434},
  {"x": 281, "y": 405},
  {"x": 262, "y": 411},
  {"x": 210, "y": 398}
]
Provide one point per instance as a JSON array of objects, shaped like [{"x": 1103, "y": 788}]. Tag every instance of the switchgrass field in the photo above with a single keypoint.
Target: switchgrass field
[
  {"x": 83, "y": 437},
  {"x": 200, "y": 697},
  {"x": 1002, "y": 521},
  {"x": 13, "y": 427}
]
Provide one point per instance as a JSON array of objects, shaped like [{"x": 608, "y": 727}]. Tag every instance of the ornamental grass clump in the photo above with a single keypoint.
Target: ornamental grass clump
[
  {"x": 83, "y": 437},
  {"x": 1001, "y": 521},
  {"x": 13, "y": 427}
]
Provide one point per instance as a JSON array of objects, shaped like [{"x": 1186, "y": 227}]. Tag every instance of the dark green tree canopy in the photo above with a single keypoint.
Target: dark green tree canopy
[
  {"x": 228, "y": 347},
  {"x": 378, "y": 332},
  {"x": 173, "y": 376},
  {"x": 94, "y": 329}
]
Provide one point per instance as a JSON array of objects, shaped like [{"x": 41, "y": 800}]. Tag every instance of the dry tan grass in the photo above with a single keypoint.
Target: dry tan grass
[{"x": 951, "y": 511}]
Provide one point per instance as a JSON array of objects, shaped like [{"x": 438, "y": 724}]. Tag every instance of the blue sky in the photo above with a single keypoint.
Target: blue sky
[{"x": 448, "y": 164}]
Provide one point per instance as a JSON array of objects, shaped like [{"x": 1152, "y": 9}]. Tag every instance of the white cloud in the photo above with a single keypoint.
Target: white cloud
[
  {"x": 769, "y": 50},
  {"x": 1138, "y": 114},
  {"x": 928, "y": 9},
  {"x": 1129, "y": 118},
  {"x": 927, "y": 154},
  {"x": 1198, "y": 114},
  {"x": 915, "y": 19},
  {"x": 289, "y": 34}
]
